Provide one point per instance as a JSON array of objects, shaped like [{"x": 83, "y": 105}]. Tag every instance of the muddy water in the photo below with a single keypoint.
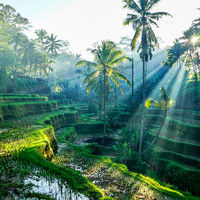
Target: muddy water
[{"x": 54, "y": 188}]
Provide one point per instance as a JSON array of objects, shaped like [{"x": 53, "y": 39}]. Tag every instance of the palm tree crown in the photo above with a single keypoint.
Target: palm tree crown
[
  {"x": 52, "y": 44},
  {"x": 142, "y": 19},
  {"x": 107, "y": 57}
]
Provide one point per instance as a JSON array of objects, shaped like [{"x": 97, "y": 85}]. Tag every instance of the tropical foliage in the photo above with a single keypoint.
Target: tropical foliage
[
  {"x": 20, "y": 54},
  {"x": 107, "y": 58},
  {"x": 186, "y": 49}
]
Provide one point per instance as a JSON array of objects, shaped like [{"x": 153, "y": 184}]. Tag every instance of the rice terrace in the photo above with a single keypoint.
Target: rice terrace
[{"x": 100, "y": 100}]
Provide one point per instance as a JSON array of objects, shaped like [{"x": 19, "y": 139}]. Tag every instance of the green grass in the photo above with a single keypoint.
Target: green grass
[
  {"x": 33, "y": 146},
  {"x": 179, "y": 175},
  {"x": 19, "y": 94},
  {"x": 84, "y": 153},
  {"x": 177, "y": 157},
  {"x": 68, "y": 134},
  {"x": 26, "y": 103},
  {"x": 22, "y": 99},
  {"x": 176, "y": 146},
  {"x": 19, "y": 109}
]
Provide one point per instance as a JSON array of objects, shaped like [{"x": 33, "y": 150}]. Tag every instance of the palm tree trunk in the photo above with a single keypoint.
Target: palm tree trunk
[
  {"x": 88, "y": 98},
  {"x": 115, "y": 98},
  {"x": 104, "y": 127},
  {"x": 132, "y": 99},
  {"x": 100, "y": 100},
  {"x": 143, "y": 107},
  {"x": 30, "y": 68},
  {"x": 40, "y": 72},
  {"x": 158, "y": 133}
]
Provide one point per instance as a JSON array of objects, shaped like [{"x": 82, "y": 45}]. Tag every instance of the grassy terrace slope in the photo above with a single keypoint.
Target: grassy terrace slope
[
  {"x": 177, "y": 150},
  {"x": 11, "y": 99},
  {"x": 19, "y": 109},
  {"x": 115, "y": 179},
  {"x": 29, "y": 148},
  {"x": 36, "y": 146}
]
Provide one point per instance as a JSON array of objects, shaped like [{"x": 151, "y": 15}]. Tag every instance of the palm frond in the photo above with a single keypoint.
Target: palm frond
[
  {"x": 150, "y": 102},
  {"x": 158, "y": 15},
  {"x": 120, "y": 76},
  {"x": 85, "y": 63},
  {"x": 153, "y": 22},
  {"x": 91, "y": 76},
  {"x": 152, "y": 4},
  {"x": 135, "y": 37},
  {"x": 119, "y": 60},
  {"x": 132, "y": 5},
  {"x": 91, "y": 84},
  {"x": 114, "y": 55}
]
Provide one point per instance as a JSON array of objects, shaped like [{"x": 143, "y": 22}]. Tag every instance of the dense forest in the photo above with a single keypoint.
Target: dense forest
[{"x": 125, "y": 125}]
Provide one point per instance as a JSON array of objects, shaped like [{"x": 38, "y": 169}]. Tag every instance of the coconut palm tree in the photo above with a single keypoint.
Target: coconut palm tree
[
  {"x": 85, "y": 71},
  {"x": 52, "y": 45},
  {"x": 142, "y": 21},
  {"x": 116, "y": 76},
  {"x": 28, "y": 53},
  {"x": 196, "y": 22},
  {"x": 41, "y": 36},
  {"x": 185, "y": 47},
  {"x": 174, "y": 53},
  {"x": 107, "y": 57},
  {"x": 165, "y": 104}
]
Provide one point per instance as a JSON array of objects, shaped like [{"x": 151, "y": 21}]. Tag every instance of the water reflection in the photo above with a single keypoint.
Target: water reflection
[{"x": 54, "y": 188}]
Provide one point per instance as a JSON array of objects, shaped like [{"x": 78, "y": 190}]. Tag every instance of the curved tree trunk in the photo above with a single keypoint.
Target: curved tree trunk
[{"x": 158, "y": 133}]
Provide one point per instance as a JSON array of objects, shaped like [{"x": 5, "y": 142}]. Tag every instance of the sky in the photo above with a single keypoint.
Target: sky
[{"x": 84, "y": 22}]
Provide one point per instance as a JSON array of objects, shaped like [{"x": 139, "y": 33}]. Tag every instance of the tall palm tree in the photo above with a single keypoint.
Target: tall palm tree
[
  {"x": 142, "y": 21},
  {"x": 107, "y": 57},
  {"x": 53, "y": 45}
]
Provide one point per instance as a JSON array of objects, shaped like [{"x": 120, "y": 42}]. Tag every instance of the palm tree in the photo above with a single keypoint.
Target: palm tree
[
  {"x": 2, "y": 12},
  {"x": 17, "y": 39},
  {"x": 85, "y": 72},
  {"x": 28, "y": 51},
  {"x": 41, "y": 36},
  {"x": 185, "y": 48},
  {"x": 96, "y": 84},
  {"x": 142, "y": 21},
  {"x": 115, "y": 77},
  {"x": 107, "y": 56},
  {"x": 165, "y": 104},
  {"x": 174, "y": 53},
  {"x": 53, "y": 45},
  {"x": 196, "y": 22}
]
